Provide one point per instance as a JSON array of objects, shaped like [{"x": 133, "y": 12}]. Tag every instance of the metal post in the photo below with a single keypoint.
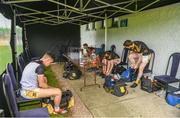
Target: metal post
[
  {"x": 13, "y": 41},
  {"x": 105, "y": 41}
]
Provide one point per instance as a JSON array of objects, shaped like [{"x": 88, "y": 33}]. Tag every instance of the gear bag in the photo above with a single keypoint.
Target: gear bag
[
  {"x": 75, "y": 74},
  {"x": 120, "y": 88},
  {"x": 118, "y": 69},
  {"x": 129, "y": 75},
  {"x": 149, "y": 85},
  {"x": 114, "y": 86},
  {"x": 173, "y": 99},
  {"x": 67, "y": 101}
]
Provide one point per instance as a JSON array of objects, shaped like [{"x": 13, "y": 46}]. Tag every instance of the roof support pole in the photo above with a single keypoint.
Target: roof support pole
[
  {"x": 81, "y": 5},
  {"x": 148, "y": 5},
  {"x": 20, "y": 1},
  {"x": 122, "y": 11},
  {"x": 104, "y": 6},
  {"x": 13, "y": 41},
  {"x": 121, "y": 8},
  {"x": 106, "y": 31},
  {"x": 53, "y": 1},
  {"x": 74, "y": 6}
]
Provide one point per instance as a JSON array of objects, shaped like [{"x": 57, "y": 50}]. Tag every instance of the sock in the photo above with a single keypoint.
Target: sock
[{"x": 56, "y": 108}]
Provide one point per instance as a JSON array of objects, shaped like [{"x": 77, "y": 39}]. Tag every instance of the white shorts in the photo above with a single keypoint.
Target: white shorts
[
  {"x": 30, "y": 94},
  {"x": 145, "y": 59}
]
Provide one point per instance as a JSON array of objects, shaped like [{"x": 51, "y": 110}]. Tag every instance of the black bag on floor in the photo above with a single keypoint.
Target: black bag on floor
[
  {"x": 120, "y": 88},
  {"x": 118, "y": 69},
  {"x": 66, "y": 96},
  {"x": 129, "y": 75},
  {"x": 75, "y": 74},
  {"x": 149, "y": 85},
  {"x": 109, "y": 84},
  {"x": 68, "y": 66}
]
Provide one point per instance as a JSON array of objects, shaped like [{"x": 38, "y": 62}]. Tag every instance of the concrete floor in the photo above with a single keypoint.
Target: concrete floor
[{"x": 95, "y": 102}]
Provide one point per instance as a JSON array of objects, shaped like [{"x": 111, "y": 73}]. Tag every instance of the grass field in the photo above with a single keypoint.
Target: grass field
[{"x": 6, "y": 57}]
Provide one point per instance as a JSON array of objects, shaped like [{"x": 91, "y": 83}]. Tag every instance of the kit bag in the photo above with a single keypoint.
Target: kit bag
[
  {"x": 114, "y": 86},
  {"x": 149, "y": 85},
  {"x": 109, "y": 84},
  {"x": 129, "y": 75},
  {"x": 173, "y": 99},
  {"x": 75, "y": 74},
  {"x": 120, "y": 88},
  {"x": 118, "y": 69},
  {"x": 71, "y": 71},
  {"x": 66, "y": 100}
]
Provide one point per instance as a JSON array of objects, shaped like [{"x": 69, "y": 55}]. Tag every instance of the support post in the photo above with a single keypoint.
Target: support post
[
  {"x": 105, "y": 41},
  {"x": 13, "y": 41}
]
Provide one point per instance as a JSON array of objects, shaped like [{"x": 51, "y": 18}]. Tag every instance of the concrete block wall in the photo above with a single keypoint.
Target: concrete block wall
[{"x": 159, "y": 28}]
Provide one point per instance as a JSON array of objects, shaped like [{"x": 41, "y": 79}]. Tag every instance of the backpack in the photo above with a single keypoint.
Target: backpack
[
  {"x": 66, "y": 97},
  {"x": 173, "y": 99},
  {"x": 129, "y": 75},
  {"x": 71, "y": 71},
  {"x": 67, "y": 101},
  {"x": 118, "y": 69},
  {"x": 120, "y": 88},
  {"x": 75, "y": 74},
  {"x": 109, "y": 84},
  {"x": 114, "y": 86},
  {"x": 149, "y": 85}
]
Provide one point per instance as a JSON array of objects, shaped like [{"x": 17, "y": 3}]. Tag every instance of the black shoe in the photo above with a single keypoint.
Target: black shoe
[{"x": 133, "y": 85}]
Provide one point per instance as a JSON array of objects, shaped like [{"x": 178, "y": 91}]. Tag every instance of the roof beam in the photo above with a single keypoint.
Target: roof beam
[
  {"x": 90, "y": 9},
  {"x": 59, "y": 3},
  {"x": 148, "y": 5},
  {"x": 88, "y": 14},
  {"x": 20, "y": 1},
  {"x": 74, "y": 6},
  {"x": 86, "y": 4},
  {"x": 35, "y": 13},
  {"x": 121, "y": 8},
  {"x": 33, "y": 10}
]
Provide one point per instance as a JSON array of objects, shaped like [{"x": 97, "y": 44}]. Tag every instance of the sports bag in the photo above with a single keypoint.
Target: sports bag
[
  {"x": 173, "y": 99},
  {"x": 120, "y": 88},
  {"x": 129, "y": 75},
  {"x": 67, "y": 100},
  {"x": 75, "y": 74},
  {"x": 109, "y": 84},
  {"x": 148, "y": 85},
  {"x": 118, "y": 69}
]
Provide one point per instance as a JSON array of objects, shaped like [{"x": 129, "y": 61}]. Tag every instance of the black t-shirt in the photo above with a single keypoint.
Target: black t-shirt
[
  {"x": 40, "y": 69},
  {"x": 140, "y": 47}
]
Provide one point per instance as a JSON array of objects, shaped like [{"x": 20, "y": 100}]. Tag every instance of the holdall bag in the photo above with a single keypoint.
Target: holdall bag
[
  {"x": 148, "y": 85},
  {"x": 67, "y": 100},
  {"x": 173, "y": 99},
  {"x": 109, "y": 84},
  {"x": 120, "y": 88},
  {"x": 118, "y": 69},
  {"x": 129, "y": 75},
  {"x": 75, "y": 74},
  {"x": 68, "y": 66}
]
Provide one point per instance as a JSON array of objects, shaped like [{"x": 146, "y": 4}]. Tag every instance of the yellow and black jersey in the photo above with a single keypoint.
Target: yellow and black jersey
[{"x": 140, "y": 47}]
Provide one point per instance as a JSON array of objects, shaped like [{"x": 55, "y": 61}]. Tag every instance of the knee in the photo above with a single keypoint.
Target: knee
[
  {"x": 58, "y": 91},
  {"x": 141, "y": 69},
  {"x": 130, "y": 56}
]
